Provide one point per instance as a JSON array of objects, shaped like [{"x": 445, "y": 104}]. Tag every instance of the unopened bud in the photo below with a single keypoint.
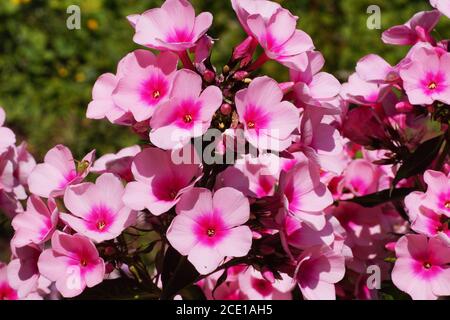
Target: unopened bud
[
  {"x": 109, "y": 251},
  {"x": 209, "y": 76},
  {"x": 82, "y": 166},
  {"x": 240, "y": 75},
  {"x": 268, "y": 275},
  {"x": 404, "y": 107},
  {"x": 390, "y": 246},
  {"x": 226, "y": 109},
  {"x": 109, "y": 267}
]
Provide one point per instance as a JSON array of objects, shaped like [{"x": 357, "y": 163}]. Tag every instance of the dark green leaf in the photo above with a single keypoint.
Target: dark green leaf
[
  {"x": 375, "y": 199},
  {"x": 193, "y": 292},
  {"x": 420, "y": 160},
  {"x": 177, "y": 274}
]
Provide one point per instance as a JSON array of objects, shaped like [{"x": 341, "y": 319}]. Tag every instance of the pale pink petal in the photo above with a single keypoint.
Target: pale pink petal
[
  {"x": 95, "y": 275},
  {"x": 184, "y": 91},
  {"x": 233, "y": 205},
  {"x": 196, "y": 202},
  {"x": 324, "y": 86},
  {"x": 237, "y": 243},
  {"x": 180, "y": 234},
  {"x": 211, "y": 99},
  {"x": 79, "y": 199},
  {"x": 44, "y": 179},
  {"x": 202, "y": 23},
  {"x": 399, "y": 35},
  {"x": 205, "y": 259},
  {"x": 373, "y": 68}
]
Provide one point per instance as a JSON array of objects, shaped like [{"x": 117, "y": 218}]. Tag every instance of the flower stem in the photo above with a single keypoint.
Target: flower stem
[
  {"x": 263, "y": 58},
  {"x": 187, "y": 63}
]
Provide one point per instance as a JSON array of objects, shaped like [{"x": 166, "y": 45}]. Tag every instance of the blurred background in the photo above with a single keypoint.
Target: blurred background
[{"x": 47, "y": 71}]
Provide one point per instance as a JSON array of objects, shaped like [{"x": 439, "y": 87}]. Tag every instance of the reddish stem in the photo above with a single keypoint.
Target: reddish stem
[
  {"x": 187, "y": 63},
  {"x": 263, "y": 58}
]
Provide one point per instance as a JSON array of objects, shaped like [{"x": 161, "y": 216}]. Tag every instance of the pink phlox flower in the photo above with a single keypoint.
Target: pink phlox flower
[
  {"x": 172, "y": 27},
  {"x": 73, "y": 263},
  {"x": 37, "y": 224},
  {"x": 210, "y": 227},
  {"x": 159, "y": 181},
  {"x": 58, "y": 171},
  {"x": 97, "y": 210},
  {"x": 417, "y": 29}
]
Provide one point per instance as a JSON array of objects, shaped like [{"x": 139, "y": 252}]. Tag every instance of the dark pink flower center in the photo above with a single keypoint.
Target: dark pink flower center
[
  {"x": 210, "y": 229},
  {"x": 7, "y": 293},
  {"x": 444, "y": 200},
  {"x": 272, "y": 44},
  {"x": 83, "y": 262},
  {"x": 255, "y": 118},
  {"x": 266, "y": 184},
  {"x": 262, "y": 286},
  {"x": 441, "y": 224},
  {"x": 180, "y": 35},
  {"x": 100, "y": 218},
  {"x": 433, "y": 83},
  {"x": 167, "y": 188},
  {"x": 68, "y": 178},
  {"x": 426, "y": 268},
  {"x": 187, "y": 113},
  {"x": 154, "y": 89}
]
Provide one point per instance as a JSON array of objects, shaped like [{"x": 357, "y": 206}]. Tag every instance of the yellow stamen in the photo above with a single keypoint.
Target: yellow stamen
[
  {"x": 101, "y": 225},
  {"x": 187, "y": 118}
]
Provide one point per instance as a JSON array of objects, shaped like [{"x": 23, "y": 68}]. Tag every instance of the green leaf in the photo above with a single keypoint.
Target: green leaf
[
  {"x": 375, "y": 199},
  {"x": 177, "y": 274},
  {"x": 193, "y": 292},
  {"x": 420, "y": 159}
]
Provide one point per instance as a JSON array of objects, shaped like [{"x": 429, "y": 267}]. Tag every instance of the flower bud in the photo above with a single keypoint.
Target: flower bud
[
  {"x": 390, "y": 246},
  {"x": 226, "y": 109},
  {"x": 109, "y": 251},
  {"x": 209, "y": 76},
  {"x": 109, "y": 267},
  {"x": 245, "y": 51},
  {"x": 404, "y": 107},
  {"x": 268, "y": 275},
  {"x": 240, "y": 75}
]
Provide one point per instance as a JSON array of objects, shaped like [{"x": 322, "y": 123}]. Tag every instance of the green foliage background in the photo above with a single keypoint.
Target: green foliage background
[{"x": 47, "y": 71}]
